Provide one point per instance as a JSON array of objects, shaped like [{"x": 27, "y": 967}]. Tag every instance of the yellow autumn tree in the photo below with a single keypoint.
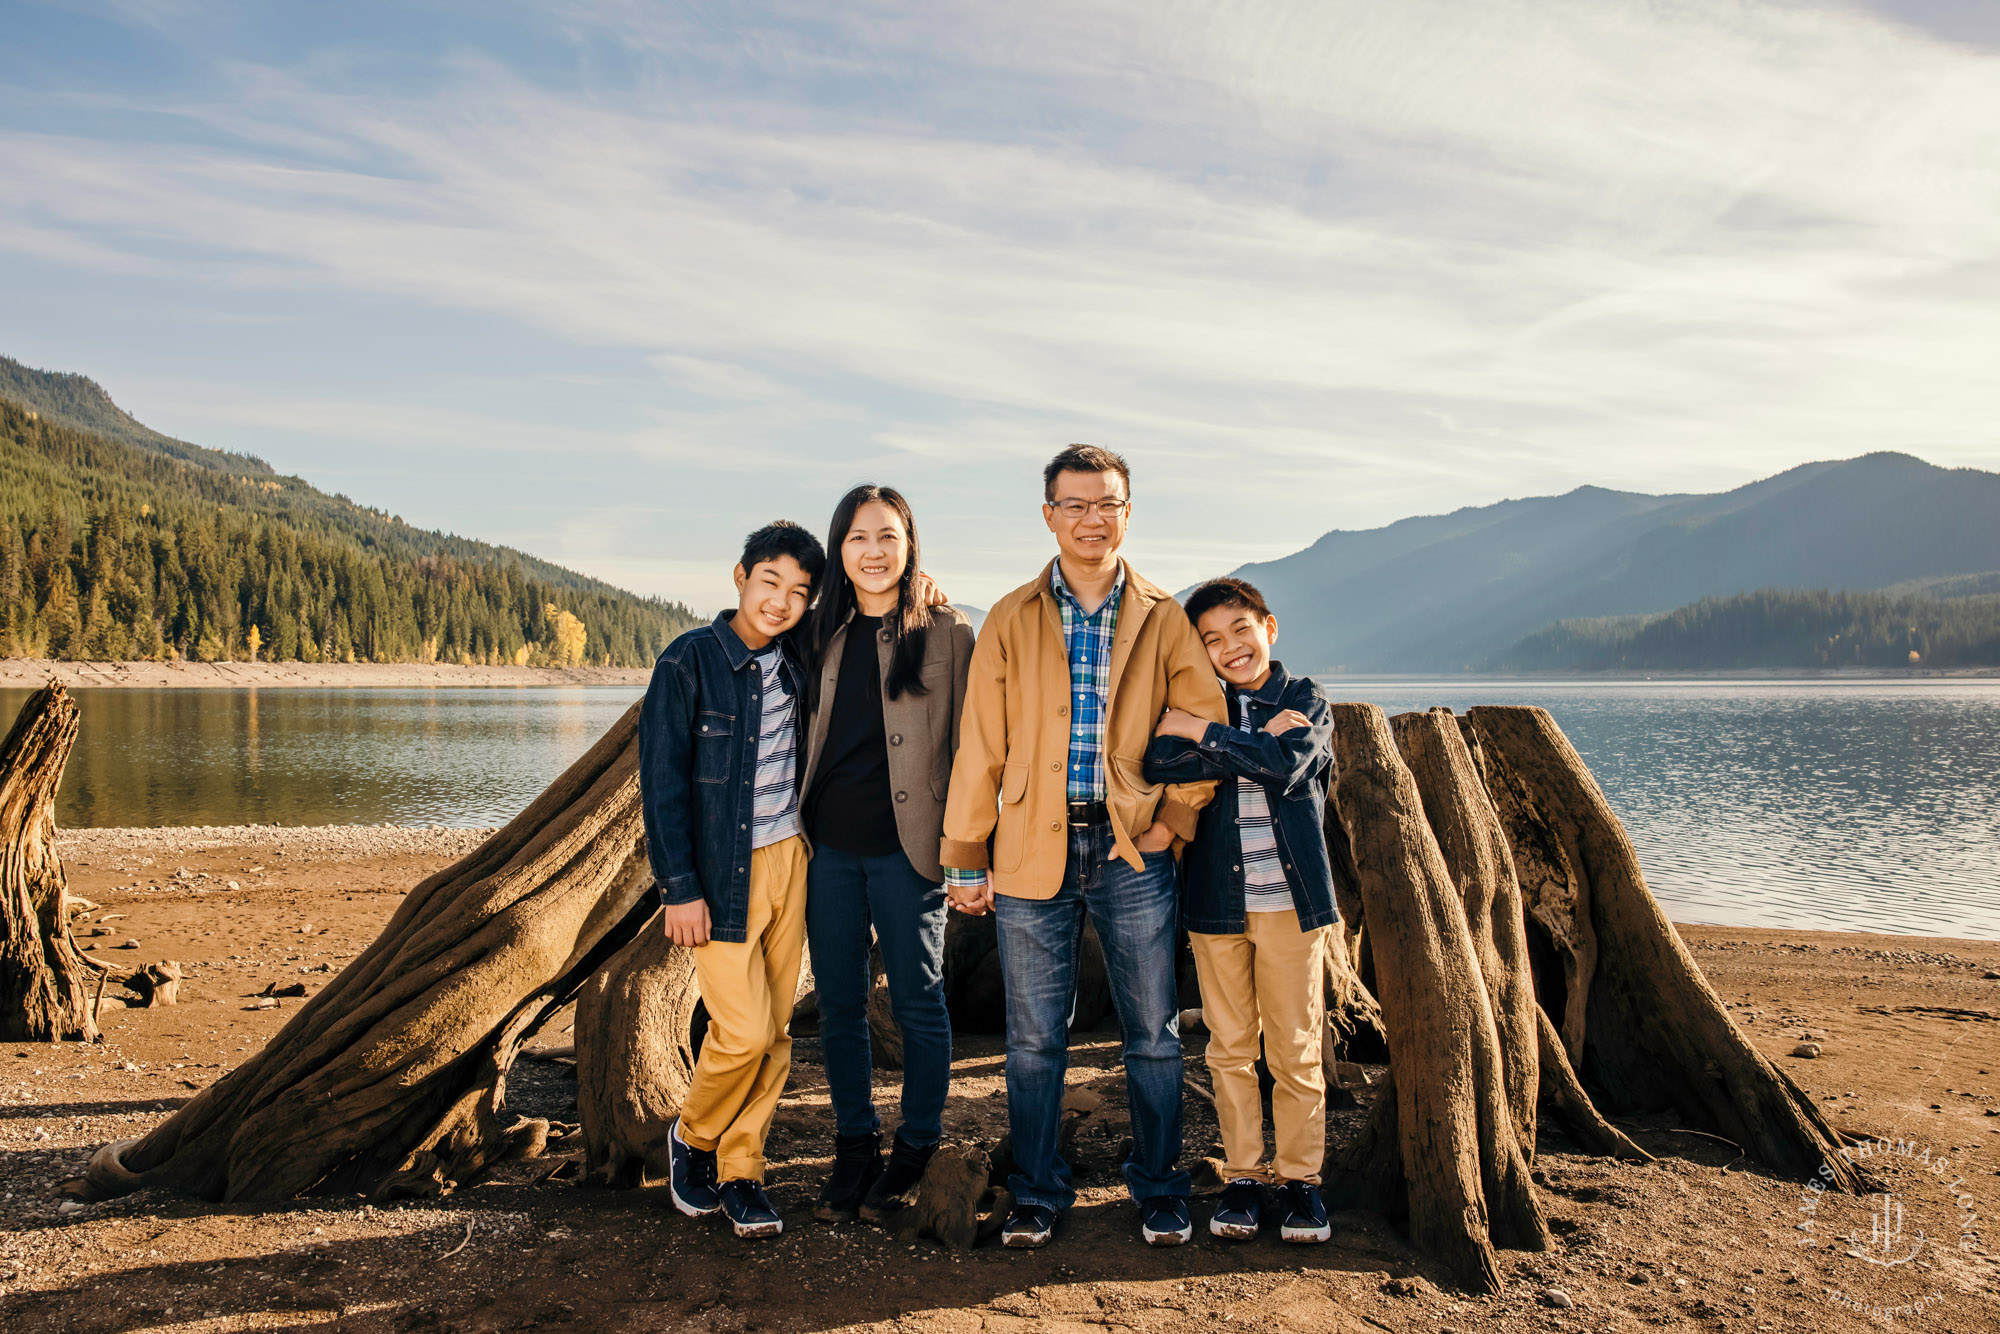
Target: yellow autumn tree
[
  {"x": 567, "y": 651},
  {"x": 255, "y": 640}
]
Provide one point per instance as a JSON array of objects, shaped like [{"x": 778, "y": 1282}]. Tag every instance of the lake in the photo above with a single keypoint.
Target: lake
[{"x": 1852, "y": 805}]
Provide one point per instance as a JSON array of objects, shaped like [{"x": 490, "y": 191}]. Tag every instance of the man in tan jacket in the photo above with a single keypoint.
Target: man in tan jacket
[{"x": 1050, "y": 816}]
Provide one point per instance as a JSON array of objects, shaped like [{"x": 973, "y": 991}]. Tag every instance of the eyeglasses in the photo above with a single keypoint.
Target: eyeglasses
[{"x": 1076, "y": 509}]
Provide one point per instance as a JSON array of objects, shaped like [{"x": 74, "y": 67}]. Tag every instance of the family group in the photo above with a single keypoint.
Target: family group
[{"x": 838, "y": 761}]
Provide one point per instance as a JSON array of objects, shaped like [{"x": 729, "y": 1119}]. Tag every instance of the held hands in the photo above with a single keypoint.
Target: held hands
[
  {"x": 1181, "y": 723},
  {"x": 1287, "y": 720},
  {"x": 972, "y": 900},
  {"x": 687, "y": 923}
]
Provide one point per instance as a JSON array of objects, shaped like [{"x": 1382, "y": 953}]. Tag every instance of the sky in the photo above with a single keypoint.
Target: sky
[{"x": 615, "y": 283}]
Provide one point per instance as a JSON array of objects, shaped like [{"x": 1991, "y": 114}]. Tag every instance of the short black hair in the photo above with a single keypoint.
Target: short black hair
[
  {"x": 785, "y": 538},
  {"x": 1083, "y": 458},
  {"x": 1226, "y": 592}
]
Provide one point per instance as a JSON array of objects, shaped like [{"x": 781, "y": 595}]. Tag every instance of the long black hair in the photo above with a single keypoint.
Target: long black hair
[{"x": 910, "y": 621}]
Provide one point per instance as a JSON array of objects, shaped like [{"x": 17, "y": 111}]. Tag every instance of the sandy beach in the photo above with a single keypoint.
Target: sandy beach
[{"x": 1909, "y": 1030}]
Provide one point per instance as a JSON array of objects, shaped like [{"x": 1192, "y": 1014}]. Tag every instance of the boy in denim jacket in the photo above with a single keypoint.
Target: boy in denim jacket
[
  {"x": 719, "y": 744},
  {"x": 1259, "y": 903}
]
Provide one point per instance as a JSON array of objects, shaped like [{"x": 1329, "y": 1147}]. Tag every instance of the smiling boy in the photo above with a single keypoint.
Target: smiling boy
[
  {"x": 1259, "y": 906},
  {"x": 719, "y": 740}
]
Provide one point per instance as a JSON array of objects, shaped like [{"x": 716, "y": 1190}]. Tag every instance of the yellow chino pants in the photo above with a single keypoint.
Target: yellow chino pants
[
  {"x": 749, "y": 989},
  {"x": 1266, "y": 983}
]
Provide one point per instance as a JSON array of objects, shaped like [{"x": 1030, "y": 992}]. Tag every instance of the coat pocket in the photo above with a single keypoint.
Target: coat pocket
[
  {"x": 1010, "y": 833},
  {"x": 714, "y": 746}
]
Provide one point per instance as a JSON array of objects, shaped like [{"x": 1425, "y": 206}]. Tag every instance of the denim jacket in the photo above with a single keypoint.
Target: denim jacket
[
  {"x": 1295, "y": 769},
  {"x": 698, "y": 770}
]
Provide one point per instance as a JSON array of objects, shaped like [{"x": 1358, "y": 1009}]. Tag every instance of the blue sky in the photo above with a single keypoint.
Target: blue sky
[{"x": 616, "y": 282}]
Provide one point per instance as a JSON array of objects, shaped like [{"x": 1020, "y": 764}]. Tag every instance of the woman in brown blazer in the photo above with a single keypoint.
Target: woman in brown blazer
[{"x": 888, "y": 679}]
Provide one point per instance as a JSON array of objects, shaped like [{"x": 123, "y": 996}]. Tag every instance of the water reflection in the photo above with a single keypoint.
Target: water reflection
[
  {"x": 300, "y": 756},
  {"x": 1871, "y": 806}
]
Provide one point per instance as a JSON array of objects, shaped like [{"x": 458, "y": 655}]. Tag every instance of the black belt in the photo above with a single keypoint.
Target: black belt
[{"x": 1087, "y": 813}]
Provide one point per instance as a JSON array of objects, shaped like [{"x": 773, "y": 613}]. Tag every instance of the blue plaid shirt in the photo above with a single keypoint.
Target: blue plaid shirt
[{"x": 1087, "y": 640}]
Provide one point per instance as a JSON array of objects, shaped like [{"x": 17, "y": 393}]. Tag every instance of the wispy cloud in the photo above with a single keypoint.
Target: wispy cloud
[{"x": 1316, "y": 263}]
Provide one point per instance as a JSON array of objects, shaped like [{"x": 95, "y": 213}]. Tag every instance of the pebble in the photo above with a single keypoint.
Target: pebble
[
  {"x": 266, "y": 1003},
  {"x": 1992, "y": 975},
  {"x": 1807, "y": 1050},
  {"x": 129, "y": 945},
  {"x": 1557, "y": 1298}
]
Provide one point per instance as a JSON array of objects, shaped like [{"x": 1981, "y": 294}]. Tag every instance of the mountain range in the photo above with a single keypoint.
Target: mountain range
[
  {"x": 1457, "y": 591},
  {"x": 117, "y": 541}
]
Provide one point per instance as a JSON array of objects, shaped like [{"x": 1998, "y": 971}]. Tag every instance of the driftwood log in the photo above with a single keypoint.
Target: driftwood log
[
  {"x": 157, "y": 984},
  {"x": 391, "y": 1081},
  {"x": 45, "y": 983}
]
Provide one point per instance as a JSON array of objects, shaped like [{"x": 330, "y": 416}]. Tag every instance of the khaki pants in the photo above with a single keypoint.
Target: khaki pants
[
  {"x": 749, "y": 989},
  {"x": 1266, "y": 982}
]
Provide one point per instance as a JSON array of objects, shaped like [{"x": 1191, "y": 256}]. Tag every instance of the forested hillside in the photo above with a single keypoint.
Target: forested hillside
[
  {"x": 1774, "y": 629},
  {"x": 115, "y": 548}
]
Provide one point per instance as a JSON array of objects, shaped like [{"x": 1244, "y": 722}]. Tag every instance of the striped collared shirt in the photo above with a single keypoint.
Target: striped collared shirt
[
  {"x": 1088, "y": 642},
  {"x": 775, "y": 800},
  {"x": 1265, "y": 888}
]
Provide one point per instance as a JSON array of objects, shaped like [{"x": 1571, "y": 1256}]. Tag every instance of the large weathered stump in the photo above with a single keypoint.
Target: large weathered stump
[
  {"x": 45, "y": 985},
  {"x": 1463, "y": 1173},
  {"x": 1468, "y": 833},
  {"x": 392, "y": 1079},
  {"x": 635, "y": 1054},
  {"x": 1653, "y": 1033}
]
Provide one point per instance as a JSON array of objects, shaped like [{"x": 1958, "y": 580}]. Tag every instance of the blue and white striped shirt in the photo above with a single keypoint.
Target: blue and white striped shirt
[
  {"x": 1265, "y": 888},
  {"x": 775, "y": 799},
  {"x": 1087, "y": 639}
]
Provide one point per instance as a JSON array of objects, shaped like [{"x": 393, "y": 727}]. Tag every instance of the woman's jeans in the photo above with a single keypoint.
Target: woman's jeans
[
  {"x": 1135, "y": 915},
  {"x": 845, "y": 895}
]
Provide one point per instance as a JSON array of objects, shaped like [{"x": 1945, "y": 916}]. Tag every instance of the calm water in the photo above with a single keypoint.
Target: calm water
[{"x": 1870, "y": 806}]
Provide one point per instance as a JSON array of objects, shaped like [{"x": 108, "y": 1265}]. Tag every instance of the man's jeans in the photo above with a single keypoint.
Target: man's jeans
[
  {"x": 1134, "y": 913},
  {"x": 844, "y": 895}
]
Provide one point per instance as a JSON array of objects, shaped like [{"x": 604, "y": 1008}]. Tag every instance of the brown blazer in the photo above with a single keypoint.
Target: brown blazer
[
  {"x": 922, "y": 730},
  {"x": 1008, "y": 782}
]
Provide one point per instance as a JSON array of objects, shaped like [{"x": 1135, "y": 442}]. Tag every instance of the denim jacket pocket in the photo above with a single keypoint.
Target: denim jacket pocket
[{"x": 714, "y": 746}]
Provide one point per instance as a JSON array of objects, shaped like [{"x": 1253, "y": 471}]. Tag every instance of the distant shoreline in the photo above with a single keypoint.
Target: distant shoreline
[{"x": 33, "y": 673}]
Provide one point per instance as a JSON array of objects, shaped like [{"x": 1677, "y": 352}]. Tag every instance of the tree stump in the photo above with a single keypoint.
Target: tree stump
[
  {"x": 1464, "y": 1175},
  {"x": 45, "y": 985},
  {"x": 635, "y": 1055},
  {"x": 1654, "y": 1033},
  {"x": 1468, "y": 833},
  {"x": 392, "y": 1079}
]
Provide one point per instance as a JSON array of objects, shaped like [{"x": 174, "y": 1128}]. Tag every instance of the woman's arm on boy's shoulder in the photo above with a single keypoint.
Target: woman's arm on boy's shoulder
[
  {"x": 666, "y": 758},
  {"x": 1284, "y": 759},
  {"x": 963, "y": 641}
]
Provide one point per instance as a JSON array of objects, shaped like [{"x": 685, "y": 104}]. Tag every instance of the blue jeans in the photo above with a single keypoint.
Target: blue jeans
[
  {"x": 844, "y": 895},
  {"x": 1134, "y": 912}
]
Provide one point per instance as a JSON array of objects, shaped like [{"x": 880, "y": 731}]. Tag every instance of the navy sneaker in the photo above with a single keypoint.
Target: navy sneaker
[
  {"x": 692, "y": 1182},
  {"x": 1164, "y": 1221},
  {"x": 891, "y": 1190},
  {"x": 857, "y": 1162},
  {"x": 1305, "y": 1213},
  {"x": 1028, "y": 1225},
  {"x": 1240, "y": 1211},
  {"x": 749, "y": 1209}
]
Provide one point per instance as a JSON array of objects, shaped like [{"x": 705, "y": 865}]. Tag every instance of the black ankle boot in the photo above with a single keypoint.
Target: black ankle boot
[
  {"x": 891, "y": 1190},
  {"x": 857, "y": 1163}
]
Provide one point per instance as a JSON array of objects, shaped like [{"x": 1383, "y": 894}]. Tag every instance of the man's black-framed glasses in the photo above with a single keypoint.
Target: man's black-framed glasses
[{"x": 1076, "y": 509}]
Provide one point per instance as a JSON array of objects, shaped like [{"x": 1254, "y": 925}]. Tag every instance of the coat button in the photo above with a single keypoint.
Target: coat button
[
  {"x": 902, "y": 796},
  {"x": 704, "y": 727},
  {"x": 884, "y": 636},
  {"x": 1055, "y": 824},
  {"x": 1056, "y": 765},
  {"x": 1061, "y": 710},
  {"x": 896, "y": 740}
]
